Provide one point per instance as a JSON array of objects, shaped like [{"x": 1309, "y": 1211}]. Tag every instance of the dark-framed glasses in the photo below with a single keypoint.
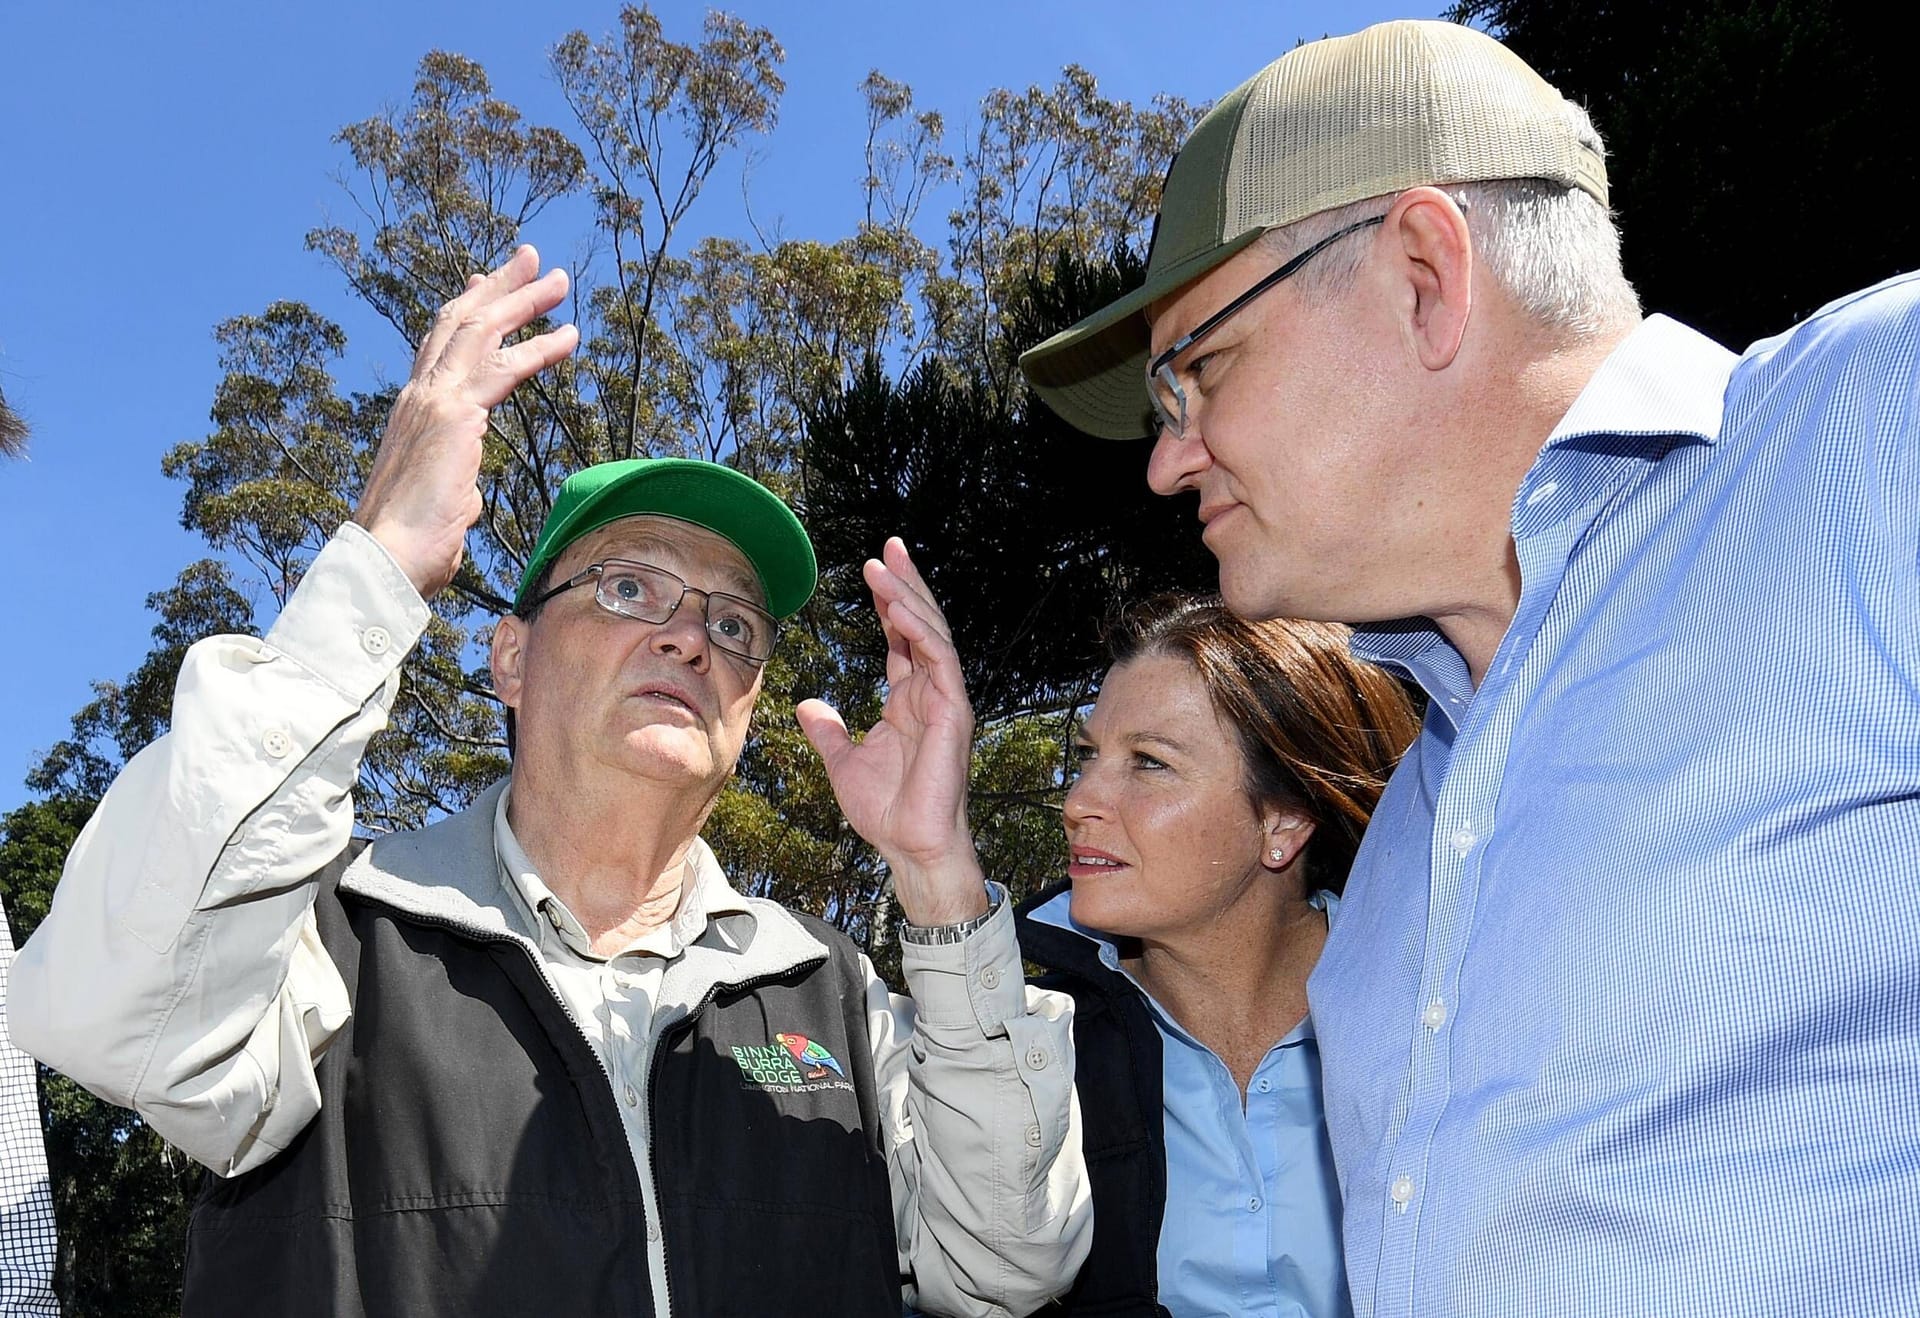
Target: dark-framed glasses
[
  {"x": 1169, "y": 398},
  {"x": 652, "y": 594}
]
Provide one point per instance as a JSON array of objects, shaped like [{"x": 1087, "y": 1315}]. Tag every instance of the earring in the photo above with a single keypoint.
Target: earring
[{"x": 1277, "y": 854}]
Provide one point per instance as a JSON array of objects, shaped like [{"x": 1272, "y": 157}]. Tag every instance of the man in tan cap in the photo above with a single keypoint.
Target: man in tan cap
[{"x": 1621, "y": 1012}]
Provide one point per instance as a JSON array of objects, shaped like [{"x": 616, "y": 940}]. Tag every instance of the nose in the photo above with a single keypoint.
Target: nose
[
  {"x": 1177, "y": 461},
  {"x": 1083, "y": 804},
  {"x": 683, "y": 635}
]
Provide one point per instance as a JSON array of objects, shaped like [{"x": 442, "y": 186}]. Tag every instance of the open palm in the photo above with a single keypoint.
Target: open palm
[{"x": 903, "y": 786}]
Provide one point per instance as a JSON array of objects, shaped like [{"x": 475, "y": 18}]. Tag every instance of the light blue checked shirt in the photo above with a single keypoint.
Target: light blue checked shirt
[
  {"x": 1622, "y": 1012},
  {"x": 1252, "y": 1221}
]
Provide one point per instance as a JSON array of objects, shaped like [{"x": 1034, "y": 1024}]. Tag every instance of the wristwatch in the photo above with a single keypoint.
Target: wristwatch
[{"x": 940, "y": 935}]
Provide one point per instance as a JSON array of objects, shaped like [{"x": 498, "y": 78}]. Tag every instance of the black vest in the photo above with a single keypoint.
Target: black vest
[
  {"x": 469, "y": 1160},
  {"x": 1117, "y": 1076}
]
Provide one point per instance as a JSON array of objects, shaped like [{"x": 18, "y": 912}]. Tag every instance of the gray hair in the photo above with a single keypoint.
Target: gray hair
[{"x": 1554, "y": 250}]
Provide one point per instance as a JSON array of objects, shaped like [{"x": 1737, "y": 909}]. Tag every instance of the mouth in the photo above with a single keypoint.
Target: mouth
[
  {"x": 1092, "y": 863},
  {"x": 670, "y": 696},
  {"x": 1211, "y": 513}
]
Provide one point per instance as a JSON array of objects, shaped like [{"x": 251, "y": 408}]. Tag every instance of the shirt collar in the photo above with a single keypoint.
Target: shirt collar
[
  {"x": 1059, "y": 913},
  {"x": 1662, "y": 381},
  {"x": 706, "y": 899}
]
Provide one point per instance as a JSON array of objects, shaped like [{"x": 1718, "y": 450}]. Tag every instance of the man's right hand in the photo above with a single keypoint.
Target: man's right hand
[{"x": 423, "y": 493}]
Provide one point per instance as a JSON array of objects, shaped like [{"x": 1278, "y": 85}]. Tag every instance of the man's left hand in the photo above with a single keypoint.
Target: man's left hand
[{"x": 903, "y": 786}]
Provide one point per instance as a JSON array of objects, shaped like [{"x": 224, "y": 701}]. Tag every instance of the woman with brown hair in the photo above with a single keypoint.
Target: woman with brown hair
[{"x": 1226, "y": 773}]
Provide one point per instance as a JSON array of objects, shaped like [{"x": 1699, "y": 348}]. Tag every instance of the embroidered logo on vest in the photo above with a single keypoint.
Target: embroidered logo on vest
[{"x": 791, "y": 1064}]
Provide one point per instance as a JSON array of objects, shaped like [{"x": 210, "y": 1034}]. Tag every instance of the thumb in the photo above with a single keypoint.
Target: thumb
[{"x": 825, "y": 729}]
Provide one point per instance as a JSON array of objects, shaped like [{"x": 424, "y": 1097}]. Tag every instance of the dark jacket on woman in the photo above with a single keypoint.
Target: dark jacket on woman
[{"x": 1117, "y": 1075}]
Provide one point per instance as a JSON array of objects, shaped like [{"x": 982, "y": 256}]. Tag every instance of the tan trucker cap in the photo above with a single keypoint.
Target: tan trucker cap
[{"x": 1329, "y": 123}]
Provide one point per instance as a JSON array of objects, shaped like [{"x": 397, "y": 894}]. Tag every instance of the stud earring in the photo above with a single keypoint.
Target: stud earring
[{"x": 1276, "y": 853}]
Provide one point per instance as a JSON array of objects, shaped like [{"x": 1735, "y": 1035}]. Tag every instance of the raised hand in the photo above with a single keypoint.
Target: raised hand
[
  {"x": 903, "y": 786},
  {"x": 423, "y": 492}
]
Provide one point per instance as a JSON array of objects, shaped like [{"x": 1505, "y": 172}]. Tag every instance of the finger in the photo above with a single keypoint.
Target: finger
[
  {"x": 899, "y": 650},
  {"x": 480, "y": 332},
  {"x": 900, "y": 563},
  {"x": 825, "y": 730},
  {"x": 894, "y": 599},
  {"x": 515, "y": 271},
  {"x": 917, "y": 639},
  {"x": 915, "y": 623},
  {"x": 889, "y": 585},
  {"x": 510, "y": 366}
]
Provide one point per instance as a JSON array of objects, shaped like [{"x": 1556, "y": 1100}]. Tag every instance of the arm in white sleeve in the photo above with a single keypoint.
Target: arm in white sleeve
[
  {"x": 990, "y": 1197},
  {"x": 180, "y": 971}
]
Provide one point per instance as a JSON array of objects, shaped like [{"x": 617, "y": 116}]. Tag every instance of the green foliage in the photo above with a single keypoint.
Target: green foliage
[
  {"x": 1030, "y": 533},
  {"x": 120, "y": 1196},
  {"x": 1752, "y": 144},
  {"x": 793, "y": 360},
  {"x": 729, "y": 347},
  {"x": 34, "y": 841}
]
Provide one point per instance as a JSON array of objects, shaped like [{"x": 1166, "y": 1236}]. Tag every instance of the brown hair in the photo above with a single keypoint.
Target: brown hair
[{"x": 1319, "y": 730}]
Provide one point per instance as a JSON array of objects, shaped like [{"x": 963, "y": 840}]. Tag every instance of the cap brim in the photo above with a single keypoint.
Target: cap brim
[
  {"x": 1094, "y": 373},
  {"x": 706, "y": 494}
]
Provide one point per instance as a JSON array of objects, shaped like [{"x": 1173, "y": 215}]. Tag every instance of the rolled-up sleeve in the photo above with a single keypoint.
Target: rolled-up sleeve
[
  {"x": 990, "y": 1194},
  {"x": 180, "y": 971}
]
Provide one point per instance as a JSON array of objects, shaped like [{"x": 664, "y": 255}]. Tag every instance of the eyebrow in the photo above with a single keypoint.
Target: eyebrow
[
  {"x": 733, "y": 580},
  {"x": 1134, "y": 739}
]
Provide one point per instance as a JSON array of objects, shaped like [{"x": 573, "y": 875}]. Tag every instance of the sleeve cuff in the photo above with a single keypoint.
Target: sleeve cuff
[
  {"x": 354, "y": 618},
  {"x": 975, "y": 983}
]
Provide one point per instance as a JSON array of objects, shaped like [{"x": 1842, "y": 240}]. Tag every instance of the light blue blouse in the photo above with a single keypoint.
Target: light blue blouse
[{"x": 1252, "y": 1224}]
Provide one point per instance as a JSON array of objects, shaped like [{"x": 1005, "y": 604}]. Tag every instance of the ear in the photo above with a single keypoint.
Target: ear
[
  {"x": 507, "y": 658},
  {"x": 1427, "y": 230},
  {"x": 1284, "y": 834}
]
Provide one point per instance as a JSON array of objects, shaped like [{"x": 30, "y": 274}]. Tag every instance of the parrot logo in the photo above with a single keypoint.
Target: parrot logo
[{"x": 813, "y": 1060}]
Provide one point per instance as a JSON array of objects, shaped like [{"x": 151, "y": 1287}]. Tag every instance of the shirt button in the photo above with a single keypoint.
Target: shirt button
[
  {"x": 1462, "y": 841},
  {"x": 1402, "y": 1191},
  {"x": 1435, "y": 1015},
  {"x": 276, "y": 743},
  {"x": 632, "y": 1096},
  {"x": 653, "y": 1229},
  {"x": 1263, "y": 1084},
  {"x": 374, "y": 640},
  {"x": 1253, "y": 1204},
  {"x": 990, "y": 977},
  {"x": 1033, "y": 1137},
  {"x": 1036, "y": 1058}
]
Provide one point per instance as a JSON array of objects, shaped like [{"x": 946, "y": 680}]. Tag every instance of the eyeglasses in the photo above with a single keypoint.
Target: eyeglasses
[
  {"x": 1169, "y": 399},
  {"x": 653, "y": 594}
]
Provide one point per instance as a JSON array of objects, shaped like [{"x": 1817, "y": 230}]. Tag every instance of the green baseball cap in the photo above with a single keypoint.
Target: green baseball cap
[
  {"x": 1329, "y": 123},
  {"x": 749, "y": 515}
]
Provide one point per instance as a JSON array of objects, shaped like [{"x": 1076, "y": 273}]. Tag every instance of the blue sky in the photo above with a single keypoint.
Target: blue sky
[{"x": 162, "y": 164}]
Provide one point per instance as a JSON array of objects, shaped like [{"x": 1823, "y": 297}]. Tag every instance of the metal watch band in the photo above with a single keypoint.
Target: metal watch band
[{"x": 939, "y": 935}]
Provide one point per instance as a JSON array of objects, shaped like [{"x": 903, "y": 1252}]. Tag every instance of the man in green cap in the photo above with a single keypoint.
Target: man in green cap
[
  {"x": 541, "y": 1057},
  {"x": 1620, "y": 1013}
]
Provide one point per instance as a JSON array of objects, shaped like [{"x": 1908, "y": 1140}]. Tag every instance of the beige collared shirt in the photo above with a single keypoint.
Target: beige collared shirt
[{"x": 614, "y": 999}]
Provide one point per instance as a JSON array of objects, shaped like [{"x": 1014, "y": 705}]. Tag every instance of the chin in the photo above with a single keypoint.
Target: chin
[
  {"x": 665, "y": 753},
  {"x": 1251, "y": 595},
  {"x": 1112, "y": 913},
  {"x": 1261, "y": 589}
]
